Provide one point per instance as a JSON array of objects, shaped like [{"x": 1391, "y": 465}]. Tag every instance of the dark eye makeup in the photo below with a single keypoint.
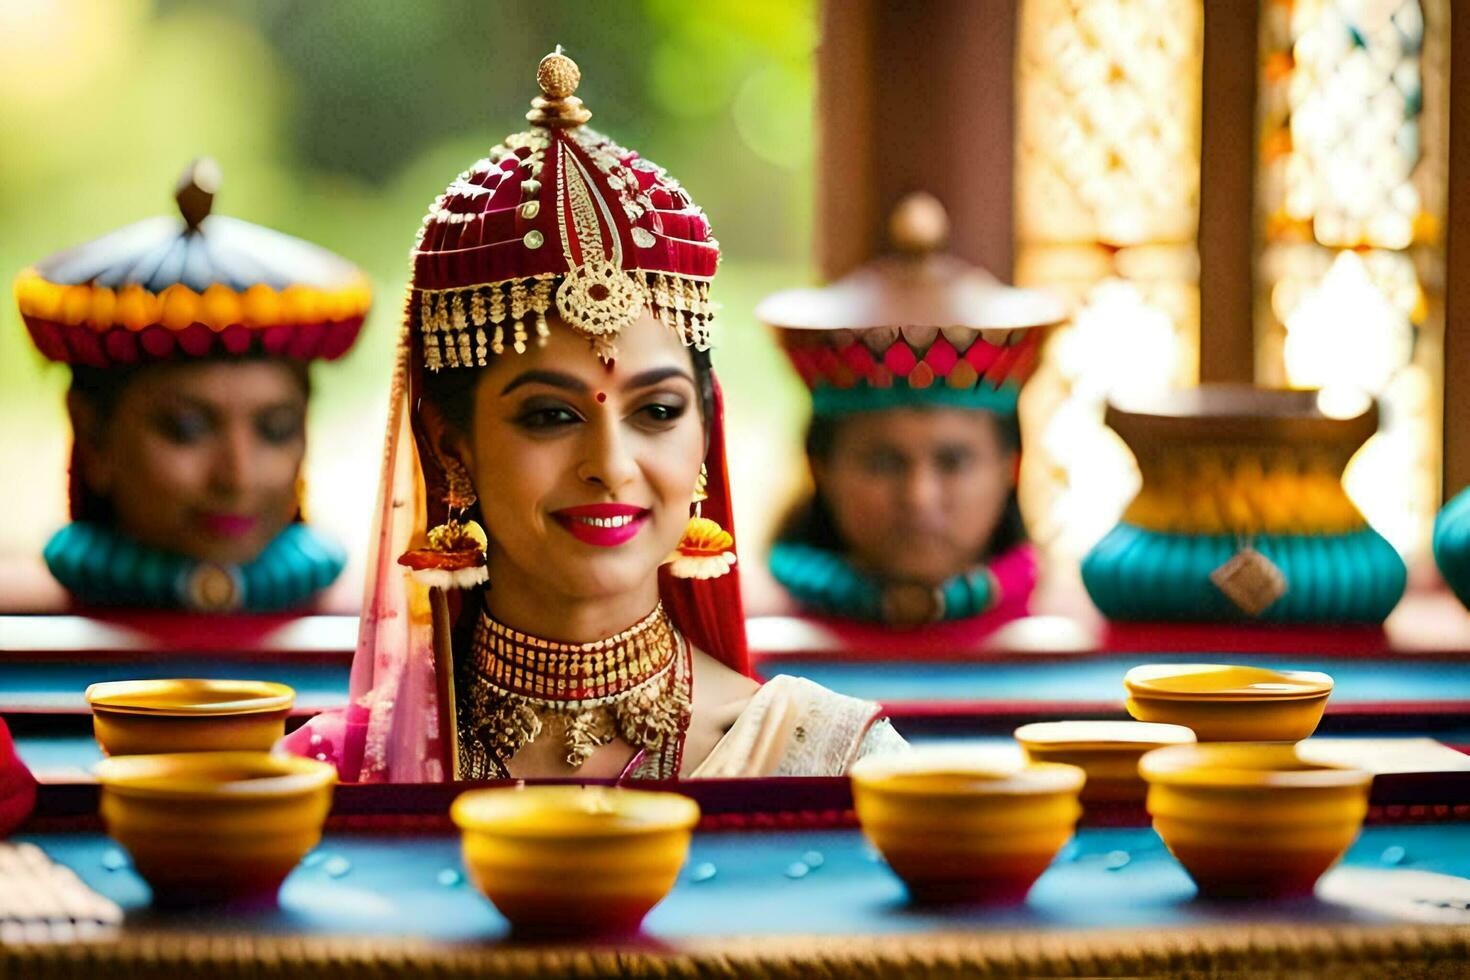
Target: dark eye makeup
[
  {"x": 183, "y": 426},
  {"x": 662, "y": 412},
  {"x": 280, "y": 425},
  {"x": 545, "y": 414}
]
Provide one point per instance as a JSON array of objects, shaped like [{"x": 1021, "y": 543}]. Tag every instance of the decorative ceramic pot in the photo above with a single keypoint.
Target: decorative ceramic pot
[
  {"x": 215, "y": 827},
  {"x": 574, "y": 860},
  {"x": 1251, "y": 821},
  {"x": 188, "y": 715},
  {"x": 1452, "y": 544},
  {"x": 1242, "y": 515},
  {"x": 962, "y": 827},
  {"x": 1222, "y": 703}
]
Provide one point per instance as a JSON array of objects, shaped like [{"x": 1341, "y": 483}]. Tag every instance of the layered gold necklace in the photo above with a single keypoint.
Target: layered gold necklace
[{"x": 513, "y": 686}]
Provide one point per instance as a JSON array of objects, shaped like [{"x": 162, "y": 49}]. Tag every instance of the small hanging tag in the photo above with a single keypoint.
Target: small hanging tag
[{"x": 1250, "y": 580}]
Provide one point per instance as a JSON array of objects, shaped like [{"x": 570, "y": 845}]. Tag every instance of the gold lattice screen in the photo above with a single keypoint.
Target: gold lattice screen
[
  {"x": 1107, "y": 205},
  {"x": 1351, "y": 264}
]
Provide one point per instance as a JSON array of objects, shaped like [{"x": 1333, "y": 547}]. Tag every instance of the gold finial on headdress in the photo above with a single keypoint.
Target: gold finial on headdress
[
  {"x": 195, "y": 190},
  {"x": 558, "y": 107},
  {"x": 919, "y": 224}
]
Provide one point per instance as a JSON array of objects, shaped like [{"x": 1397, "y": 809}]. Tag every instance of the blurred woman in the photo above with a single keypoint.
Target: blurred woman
[
  {"x": 188, "y": 342},
  {"x": 555, "y": 590},
  {"x": 915, "y": 364}
]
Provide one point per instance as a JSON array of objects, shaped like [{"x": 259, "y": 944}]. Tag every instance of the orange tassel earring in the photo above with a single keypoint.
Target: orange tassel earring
[
  {"x": 456, "y": 554},
  {"x": 706, "y": 550}
]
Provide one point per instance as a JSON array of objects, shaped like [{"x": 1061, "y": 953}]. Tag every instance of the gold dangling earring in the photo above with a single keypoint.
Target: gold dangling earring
[
  {"x": 456, "y": 554},
  {"x": 706, "y": 550}
]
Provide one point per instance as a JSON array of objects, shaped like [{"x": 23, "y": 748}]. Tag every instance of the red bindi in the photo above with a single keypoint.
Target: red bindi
[{"x": 601, "y": 397}]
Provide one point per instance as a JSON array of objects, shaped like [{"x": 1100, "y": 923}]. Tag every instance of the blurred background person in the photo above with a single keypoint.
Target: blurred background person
[
  {"x": 915, "y": 364},
  {"x": 188, "y": 340}
]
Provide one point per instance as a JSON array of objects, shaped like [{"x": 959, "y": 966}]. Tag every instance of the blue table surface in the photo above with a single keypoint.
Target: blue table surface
[
  {"x": 52, "y": 753},
  {"x": 55, "y": 686},
  {"x": 753, "y": 883},
  {"x": 1100, "y": 679},
  {"x": 59, "y": 686}
]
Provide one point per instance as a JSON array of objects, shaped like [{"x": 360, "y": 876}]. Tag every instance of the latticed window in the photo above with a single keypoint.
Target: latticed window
[
  {"x": 1350, "y": 207},
  {"x": 1107, "y": 210},
  {"x": 1351, "y": 264}
]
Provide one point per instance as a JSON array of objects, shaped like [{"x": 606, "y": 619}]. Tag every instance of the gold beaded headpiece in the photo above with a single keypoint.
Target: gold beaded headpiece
[{"x": 558, "y": 219}]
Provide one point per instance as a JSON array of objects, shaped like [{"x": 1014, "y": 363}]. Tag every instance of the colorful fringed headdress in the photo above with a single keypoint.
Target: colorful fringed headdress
[
  {"x": 196, "y": 285},
  {"x": 918, "y": 327},
  {"x": 558, "y": 217}
]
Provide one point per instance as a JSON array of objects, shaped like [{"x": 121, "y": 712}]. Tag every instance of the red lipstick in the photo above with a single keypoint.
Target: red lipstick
[
  {"x": 603, "y": 525},
  {"x": 227, "y": 525}
]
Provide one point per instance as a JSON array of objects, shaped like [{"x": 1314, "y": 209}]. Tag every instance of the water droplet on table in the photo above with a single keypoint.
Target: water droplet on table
[
  {"x": 114, "y": 859},
  {"x": 1116, "y": 860},
  {"x": 813, "y": 859},
  {"x": 313, "y": 859},
  {"x": 702, "y": 871},
  {"x": 1393, "y": 855},
  {"x": 797, "y": 869},
  {"x": 450, "y": 877},
  {"x": 336, "y": 867}
]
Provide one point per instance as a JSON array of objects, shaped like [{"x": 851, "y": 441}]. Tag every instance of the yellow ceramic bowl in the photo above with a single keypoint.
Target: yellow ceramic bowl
[
  {"x": 1253, "y": 819},
  {"x": 215, "y": 826},
  {"x": 1108, "y": 751},
  {"x": 1223, "y": 703},
  {"x": 573, "y": 860},
  {"x": 966, "y": 826},
  {"x": 144, "y": 717}
]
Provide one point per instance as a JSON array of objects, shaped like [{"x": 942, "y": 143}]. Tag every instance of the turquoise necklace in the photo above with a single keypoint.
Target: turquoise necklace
[
  {"x": 826, "y": 582},
  {"x": 102, "y": 567}
]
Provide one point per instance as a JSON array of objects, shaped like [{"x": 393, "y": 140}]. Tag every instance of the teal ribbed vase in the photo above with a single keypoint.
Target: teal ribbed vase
[
  {"x": 1358, "y": 577},
  {"x": 1452, "y": 544}
]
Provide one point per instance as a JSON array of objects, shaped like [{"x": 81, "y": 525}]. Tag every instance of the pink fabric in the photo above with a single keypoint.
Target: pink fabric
[
  {"x": 1016, "y": 571},
  {"x": 17, "y": 785}
]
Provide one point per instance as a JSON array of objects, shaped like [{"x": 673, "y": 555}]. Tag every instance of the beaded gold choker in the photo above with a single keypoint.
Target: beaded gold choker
[
  {"x": 635, "y": 684},
  {"x": 579, "y": 673}
]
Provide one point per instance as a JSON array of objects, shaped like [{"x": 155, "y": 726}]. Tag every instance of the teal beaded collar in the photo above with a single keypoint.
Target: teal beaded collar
[
  {"x": 102, "y": 567},
  {"x": 825, "y": 582}
]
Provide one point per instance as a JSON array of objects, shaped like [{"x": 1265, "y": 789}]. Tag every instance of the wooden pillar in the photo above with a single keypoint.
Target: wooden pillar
[
  {"x": 1227, "y": 336},
  {"x": 847, "y": 165},
  {"x": 915, "y": 95},
  {"x": 1457, "y": 260}
]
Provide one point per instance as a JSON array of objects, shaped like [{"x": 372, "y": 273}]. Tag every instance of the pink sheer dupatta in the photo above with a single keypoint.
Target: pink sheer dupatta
[{"x": 389, "y": 731}]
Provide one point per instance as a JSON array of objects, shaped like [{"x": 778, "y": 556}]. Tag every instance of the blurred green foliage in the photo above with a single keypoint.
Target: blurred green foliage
[{"x": 340, "y": 121}]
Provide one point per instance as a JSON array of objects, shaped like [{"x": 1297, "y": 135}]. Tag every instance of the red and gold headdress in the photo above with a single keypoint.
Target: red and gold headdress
[
  {"x": 558, "y": 217},
  {"x": 206, "y": 285}
]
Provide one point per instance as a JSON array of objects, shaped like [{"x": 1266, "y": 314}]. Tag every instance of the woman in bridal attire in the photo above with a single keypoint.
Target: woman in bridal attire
[{"x": 554, "y": 589}]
